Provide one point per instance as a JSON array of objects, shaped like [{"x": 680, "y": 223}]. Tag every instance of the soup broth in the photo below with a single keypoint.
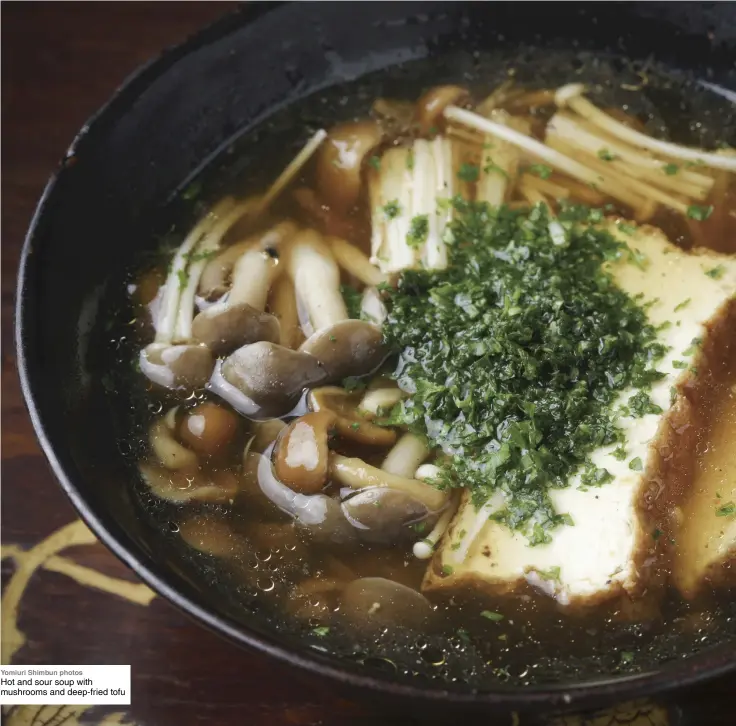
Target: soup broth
[{"x": 313, "y": 494}]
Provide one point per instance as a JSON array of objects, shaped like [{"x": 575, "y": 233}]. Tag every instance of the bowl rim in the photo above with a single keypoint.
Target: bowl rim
[{"x": 570, "y": 696}]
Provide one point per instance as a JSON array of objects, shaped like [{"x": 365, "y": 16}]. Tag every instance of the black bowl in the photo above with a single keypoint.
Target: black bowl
[{"x": 161, "y": 127}]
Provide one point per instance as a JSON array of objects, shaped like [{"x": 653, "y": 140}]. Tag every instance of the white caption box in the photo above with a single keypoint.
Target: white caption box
[{"x": 65, "y": 685}]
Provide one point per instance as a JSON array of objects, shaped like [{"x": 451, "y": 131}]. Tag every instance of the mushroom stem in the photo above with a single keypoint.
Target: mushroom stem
[
  {"x": 294, "y": 167},
  {"x": 406, "y": 455},
  {"x": 316, "y": 280},
  {"x": 378, "y": 401},
  {"x": 283, "y": 305},
  {"x": 208, "y": 245},
  {"x": 606, "y": 183},
  {"x": 424, "y": 548},
  {"x": 167, "y": 449},
  {"x": 253, "y": 275},
  {"x": 356, "y": 474},
  {"x": 355, "y": 262},
  {"x": 170, "y": 302},
  {"x": 571, "y": 96}
]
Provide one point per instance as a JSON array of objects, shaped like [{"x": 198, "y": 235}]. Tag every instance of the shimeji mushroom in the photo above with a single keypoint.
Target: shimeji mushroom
[
  {"x": 343, "y": 347},
  {"x": 384, "y": 514},
  {"x": 172, "y": 360},
  {"x": 182, "y": 487},
  {"x": 357, "y": 474},
  {"x": 318, "y": 514},
  {"x": 301, "y": 455},
  {"x": 349, "y": 422},
  {"x": 213, "y": 536},
  {"x": 375, "y": 603},
  {"x": 264, "y": 380},
  {"x": 340, "y": 160},
  {"x": 239, "y": 318},
  {"x": 430, "y": 107}
]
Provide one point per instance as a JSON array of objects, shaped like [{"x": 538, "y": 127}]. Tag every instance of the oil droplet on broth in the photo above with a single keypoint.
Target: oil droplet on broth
[
  {"x": 173, "y": 527},
  {"x": 265, "y": 584}
]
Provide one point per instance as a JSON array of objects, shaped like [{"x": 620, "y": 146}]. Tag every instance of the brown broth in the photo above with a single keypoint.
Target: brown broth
[{"x": 255, "y": 547}]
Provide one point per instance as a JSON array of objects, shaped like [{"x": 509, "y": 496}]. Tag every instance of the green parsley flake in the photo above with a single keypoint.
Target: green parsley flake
[
  {"x": 716, "y": 272},
  {"x": 636, "y": 465},
  {"x": 468, "y": 172},
  {"x": 410, "y": 160},
  {"x": 418, "y": 230},
  {"x": 619, "y": 453},
  {"x": 552, "y": 574},
  {"x": 375, "y": 162},
  {"x": 679, "y": 364},
  {"x": 626, "y": 657},
  {"x": 354, "y": 383},
  {"x": 489, "y": 615},
  {"x": 626, "y": 229},
  {"x": 656, "y": 534},
  {"x": 699, "y": 213},
  {"x": 514, "y": 331},
  {"x": 193, "y": 190},
  {"x": 447, "y": 570},
  {"x": 683, "y": 304},
  {"x": 322, "y": 630},
  {"x": 491, "y": 167},
  {"x": 606, "y": 155},
  {"x": 183, "y": 277},
  {"x": 392, "y": 209},
  {"x": 541, "y": 170},
  {"x": 726, "y": 510},
  {"x": 670, "y": 169}
]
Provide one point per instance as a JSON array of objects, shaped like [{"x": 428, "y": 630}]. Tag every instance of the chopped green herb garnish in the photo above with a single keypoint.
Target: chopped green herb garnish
[
  {"x": 183, "y": 277},
  {"x": 673, "y": 395},
  {"x": 447, "y": 570},
  {"x": 491, "y": 167},
  {"x": 375, "y": 162},
  {"x": 516, "y": 353},
  {"x": 670, "y": 169},
  {"x": 656, "y": 534},
  {"x": 626, "y": 229},
  {"x": 552, "y": 574},
  {"x": 353, "y": 301},
  {"x": 726, "y": 510},
  {"x": 716, "y": 272},
  {"x": 463, "y": 635},
  {"x": 419, "y": 527},
  {"x": 619, "y": 453},
  {"x": 679, "y": 364},
  {"x": 699, "y": 213},
  {"x": 683, "y": 304},
  {"x": 418, "y": 230},
  {"x": 355, "y": 425},
  {"x": 541, "y": 170},
  {"x": 626, "y": 657},
  {"x": 410, "y": 160},
  {"x": 468, "y": 172},
  {"x": 489, "y": 615},
  {"x": 322, "y": 630},
  {"x": 636, "y": 465},
  {"x": 641, "y": 404},
  {"x": 606, "y": 155},
  {"x": 638, "y": 258},
  {"x": 353, "y": 383},
  {"x": 392, "y": 209}
]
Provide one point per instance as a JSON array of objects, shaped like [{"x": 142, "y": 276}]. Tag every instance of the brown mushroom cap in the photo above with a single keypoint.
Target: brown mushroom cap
[
  {"x": 347, "y": 348},
  {"x": 208, "y": 428},
  {"x": 431, "y": 106},
  {"x": 272, "y": 376},
  {"x": 339, "y": 162},
  {"x": 301, "y": 457},
  {"x": 224, "y": 327},
  {"x": 177, "y": 366},
  {"x": 376, "y": 603}
]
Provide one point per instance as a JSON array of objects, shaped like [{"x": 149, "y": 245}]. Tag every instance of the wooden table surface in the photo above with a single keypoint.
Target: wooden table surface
[{"x": 66, "y": 600}]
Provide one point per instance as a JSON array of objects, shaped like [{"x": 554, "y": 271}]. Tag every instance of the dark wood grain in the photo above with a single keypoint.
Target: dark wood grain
[{"x": 60, "y": 61}]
